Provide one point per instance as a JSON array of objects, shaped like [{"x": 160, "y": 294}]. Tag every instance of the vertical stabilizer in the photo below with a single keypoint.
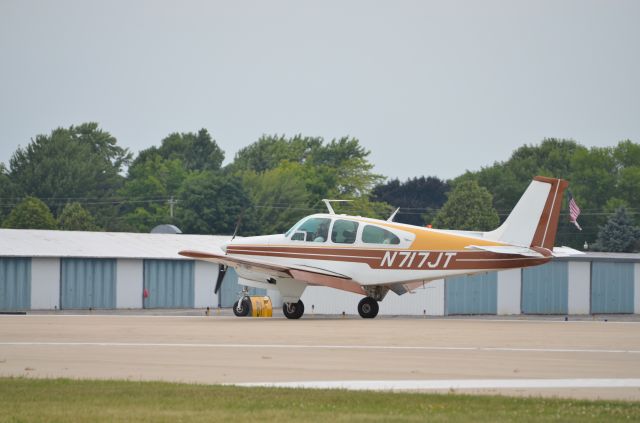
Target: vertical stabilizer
[{"x": 533, "y": 222}]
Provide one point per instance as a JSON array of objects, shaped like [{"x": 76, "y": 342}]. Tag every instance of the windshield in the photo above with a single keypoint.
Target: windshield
[
  {"x": 294, "y": 226},
  {"x": 314, "y": 229}
]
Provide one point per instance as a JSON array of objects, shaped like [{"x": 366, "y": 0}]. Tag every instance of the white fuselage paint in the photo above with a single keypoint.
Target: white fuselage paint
[{"x": 366, "y": 275}]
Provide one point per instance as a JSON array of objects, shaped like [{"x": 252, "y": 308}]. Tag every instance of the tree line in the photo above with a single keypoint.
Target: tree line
[{"x": 79, "y": 178}]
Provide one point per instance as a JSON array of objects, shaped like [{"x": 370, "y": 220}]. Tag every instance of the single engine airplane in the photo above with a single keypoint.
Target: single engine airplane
[{"x": 372, "y": 257}]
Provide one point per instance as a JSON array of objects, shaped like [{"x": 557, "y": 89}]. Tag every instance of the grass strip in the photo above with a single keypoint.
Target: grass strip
[{"x": 65, "y": 400}]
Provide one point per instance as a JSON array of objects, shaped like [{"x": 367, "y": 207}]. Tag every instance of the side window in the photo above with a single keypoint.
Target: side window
[
  {"x": 315, "y": 229},
  {"x": 344, "y": 231},
  {"x": 376, "y": 235}
]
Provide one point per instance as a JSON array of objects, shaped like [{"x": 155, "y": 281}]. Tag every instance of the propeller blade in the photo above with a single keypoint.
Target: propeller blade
[{"x": 222, "y": 270}]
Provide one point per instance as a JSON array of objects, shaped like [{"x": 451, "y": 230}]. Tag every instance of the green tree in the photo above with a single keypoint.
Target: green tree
[
  {"x": 278, "y": 199},
  {"x": 507, "y": 180},
  {"x": 592, "y": 174},
  {"x": 9, "y": 192},
  {"x": 468, "y": 207},
  {"x": 147, "y": 190},
  {"x": 350, "y": 172},
  {"x": 364, "y": 206},
  {"x": 414, "y": 197},
  {"x": 210, "y": 203},
  {"x": 79, "y": 162},
  {"x": 627, "y": 158},
  {"x": 74, "y": 217},
  {"x": 30, "y": 213},
  {"x": 618, "y": 234},
  {"x": 338, "y": 169},
  {"x": 196, "y": 151},
  {"x": 271, "y": 150}
]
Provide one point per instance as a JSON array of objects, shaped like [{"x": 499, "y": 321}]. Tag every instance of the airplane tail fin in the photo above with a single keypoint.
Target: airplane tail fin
[{"x": 533, "y": 222}]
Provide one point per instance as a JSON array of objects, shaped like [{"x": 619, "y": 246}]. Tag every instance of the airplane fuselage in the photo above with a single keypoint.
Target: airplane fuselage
[{"x": 378, "y": 263}]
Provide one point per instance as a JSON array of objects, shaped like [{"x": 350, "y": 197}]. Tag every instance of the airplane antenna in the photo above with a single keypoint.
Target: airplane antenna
[
  {"x": 390, "y": 219},
  {"x": 235, "y": 231},
  {"x": 327, "y": 202}
]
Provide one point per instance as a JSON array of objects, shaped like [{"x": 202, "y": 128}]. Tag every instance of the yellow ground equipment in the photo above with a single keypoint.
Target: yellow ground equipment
[
  {"x": 261, "y": 306},
  {"x": 254, "y": 306}
]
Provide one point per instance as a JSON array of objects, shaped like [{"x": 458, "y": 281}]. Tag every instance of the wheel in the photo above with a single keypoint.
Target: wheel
[
  {"x": 245, "y": 307},
  {"x": 368, "y": 308},
  {"x": 293, "y": 310}
]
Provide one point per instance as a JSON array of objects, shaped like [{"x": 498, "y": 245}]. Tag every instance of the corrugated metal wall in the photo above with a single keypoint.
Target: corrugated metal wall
[
  {"x": 230, "y": 288},
  {"x": 475, "y": 294},
  {"x": 545, "y": 289},
  {"x": 87, "y": 283},
  {"x": 612, "y": 287},
  {"x": 169, "y": 283},
  {"x": 15, "y": 284}
]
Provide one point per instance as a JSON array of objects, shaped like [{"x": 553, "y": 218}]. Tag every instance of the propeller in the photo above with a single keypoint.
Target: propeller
[{"x": 222, "y": 269}]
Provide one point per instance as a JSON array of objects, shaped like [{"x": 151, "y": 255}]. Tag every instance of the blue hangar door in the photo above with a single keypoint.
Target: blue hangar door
[
  {"x": 475, "y": 294},
  {"x": 612, "y": 287},
  {"x": 169, "y": 284},
  {"x": 545, "y": 289},
  {"x": 87, "y": 283},
  {"x": 15, "y": 284}
]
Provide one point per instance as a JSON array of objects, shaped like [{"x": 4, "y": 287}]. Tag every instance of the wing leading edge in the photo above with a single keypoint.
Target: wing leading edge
[{"x": 310, "y": 275}]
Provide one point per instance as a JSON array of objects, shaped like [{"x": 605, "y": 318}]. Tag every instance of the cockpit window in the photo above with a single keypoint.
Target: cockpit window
[
  {"x": 344, "y": 231},
  {"x": 375, "y": 235},
  {"x": 293, "y": 227},
  {"x": 315, "y": 229}
]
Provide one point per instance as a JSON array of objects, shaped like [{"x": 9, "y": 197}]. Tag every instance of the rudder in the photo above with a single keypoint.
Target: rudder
[{"x": 533, "y": 222}]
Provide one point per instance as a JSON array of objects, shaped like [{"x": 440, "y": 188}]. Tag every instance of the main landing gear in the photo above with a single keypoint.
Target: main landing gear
[
  {"x": 368, "y": 308},
  {"x": 293, "y": 310}
]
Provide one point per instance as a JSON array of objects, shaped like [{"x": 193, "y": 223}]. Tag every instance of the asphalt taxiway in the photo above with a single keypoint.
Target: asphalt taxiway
[{"x": 585, "y": 359}]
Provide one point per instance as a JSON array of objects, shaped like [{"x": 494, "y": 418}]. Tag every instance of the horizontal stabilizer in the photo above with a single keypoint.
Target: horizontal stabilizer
[
  {"x": 506, "y": 249},
  {"x": 565, "y": 252}
]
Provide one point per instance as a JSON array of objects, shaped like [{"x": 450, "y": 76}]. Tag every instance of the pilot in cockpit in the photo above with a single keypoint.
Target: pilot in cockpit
[{"x": 321, "y": 233}]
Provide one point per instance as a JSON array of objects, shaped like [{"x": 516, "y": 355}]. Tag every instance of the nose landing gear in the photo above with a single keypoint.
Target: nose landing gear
[
  {"x": 242, "y": 307},
  {"x": 368, "y": 308}
]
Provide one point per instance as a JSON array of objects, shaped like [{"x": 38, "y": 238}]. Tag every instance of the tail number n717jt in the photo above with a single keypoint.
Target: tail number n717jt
[{"x": 416, "y": 259}]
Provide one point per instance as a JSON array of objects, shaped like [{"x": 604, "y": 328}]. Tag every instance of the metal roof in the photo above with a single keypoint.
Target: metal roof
[
  {"x": 44, "y": 243},
  {"x": 599, "y": 256}
]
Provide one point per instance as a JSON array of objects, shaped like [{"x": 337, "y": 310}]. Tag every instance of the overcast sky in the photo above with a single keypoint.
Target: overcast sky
[{"x": 430, "y": 88}]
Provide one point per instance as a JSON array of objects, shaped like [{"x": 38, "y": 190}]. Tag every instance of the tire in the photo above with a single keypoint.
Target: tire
[
  {"x": 368, "y": 308},
  {"x": 245, "y": 307},
  {"x": 293, "y": 310}
]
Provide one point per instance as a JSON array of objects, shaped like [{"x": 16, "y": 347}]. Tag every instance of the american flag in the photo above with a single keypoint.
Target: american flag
[{"x": 574, "y": 211}]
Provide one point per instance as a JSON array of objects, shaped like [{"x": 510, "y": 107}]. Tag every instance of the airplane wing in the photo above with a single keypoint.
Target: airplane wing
[{"x": 311, "y": 275}]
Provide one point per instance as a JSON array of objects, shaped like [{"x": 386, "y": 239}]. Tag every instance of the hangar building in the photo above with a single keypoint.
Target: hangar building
[
  {"x": 80, "y": 270},
  {"x": 49, "y": 270}
]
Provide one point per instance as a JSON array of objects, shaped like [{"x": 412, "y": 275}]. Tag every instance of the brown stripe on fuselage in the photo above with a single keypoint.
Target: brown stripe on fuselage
[{"x": 396, "y": 259}]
